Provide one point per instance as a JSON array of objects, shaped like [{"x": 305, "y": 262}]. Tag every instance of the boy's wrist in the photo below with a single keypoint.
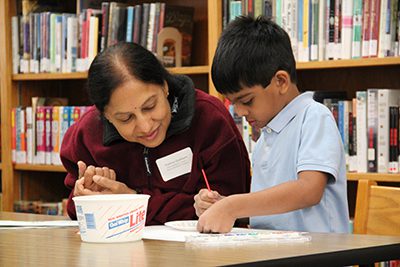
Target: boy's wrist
[{"x": 232, "y": 206}]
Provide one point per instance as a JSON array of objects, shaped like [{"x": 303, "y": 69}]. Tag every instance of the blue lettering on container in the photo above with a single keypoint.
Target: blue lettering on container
[{"x": 118, "y": 222}]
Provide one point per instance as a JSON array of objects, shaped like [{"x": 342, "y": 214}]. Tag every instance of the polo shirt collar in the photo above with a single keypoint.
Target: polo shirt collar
[{"x": 290, "y": 111}]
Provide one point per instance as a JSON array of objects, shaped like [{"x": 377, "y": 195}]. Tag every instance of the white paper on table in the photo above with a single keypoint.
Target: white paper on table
[
  {"x": 30, "y": 224},
  {"x": 165, "y": 233}
]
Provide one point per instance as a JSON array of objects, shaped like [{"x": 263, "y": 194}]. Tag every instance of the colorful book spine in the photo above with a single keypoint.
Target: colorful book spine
[
  {"x": 357, "y": 29},
  {"x": 347, "y": 29},
  {"x": 129, "y": 23},
  {"x": 48, "y": 137},
  {"x": 40, "y": 135},
  {"x": 55, "y": 132},
  {"x": 394, "y": 139},
  {"x": 65, "y": 121},
  {"x": 361, "y": 131},
  {"x": 29, "y": 136},
  {"x": 15, "y": 44},
  {"x": 374, "y": 28},
  {"x": 314, "y": 30},
  {"x": 366, "y": 34},
  {"x": 306, "y": 31},
  {"x": 104, "y": 25},
  {"x": 386, "y": 99},
  {"x": 372, "y": 126},
  {"x": 72, "y": 44},
  {"x": 13, "y": 135}
]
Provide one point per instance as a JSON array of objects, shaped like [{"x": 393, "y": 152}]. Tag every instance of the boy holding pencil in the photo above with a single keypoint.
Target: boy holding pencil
[{"x": 299, "y": 175}]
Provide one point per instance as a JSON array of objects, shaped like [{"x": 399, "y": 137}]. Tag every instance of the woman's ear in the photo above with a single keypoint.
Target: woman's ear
[
  {"x": 166, "y": 89},
  {"x": 282, "y": 80}
]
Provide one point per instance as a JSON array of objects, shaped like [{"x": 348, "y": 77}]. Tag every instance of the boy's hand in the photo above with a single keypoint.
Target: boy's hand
[
  {"x": 204, "y": 199},
  {"x": 216, "y": 219}
]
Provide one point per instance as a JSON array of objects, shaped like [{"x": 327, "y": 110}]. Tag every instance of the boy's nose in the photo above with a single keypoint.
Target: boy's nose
[{"x": 240, "y": 110}]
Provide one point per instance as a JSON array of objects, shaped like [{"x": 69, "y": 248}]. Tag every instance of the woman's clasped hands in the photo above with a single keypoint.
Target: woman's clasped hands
[{"x": 98, "y": 180}]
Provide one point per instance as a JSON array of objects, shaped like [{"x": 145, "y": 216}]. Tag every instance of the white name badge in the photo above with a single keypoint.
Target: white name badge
[{"x": 175, "y": 164}]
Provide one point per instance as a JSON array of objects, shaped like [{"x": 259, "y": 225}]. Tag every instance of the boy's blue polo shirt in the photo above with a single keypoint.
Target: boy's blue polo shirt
[{"x": 303, "y": 136}]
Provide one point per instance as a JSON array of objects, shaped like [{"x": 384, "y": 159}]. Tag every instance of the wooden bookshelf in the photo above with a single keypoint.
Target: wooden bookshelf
[
  {"x": 39, "y": 167},
  {"x": 83, "y": 75},
  {"x": 349, "y": 63}
]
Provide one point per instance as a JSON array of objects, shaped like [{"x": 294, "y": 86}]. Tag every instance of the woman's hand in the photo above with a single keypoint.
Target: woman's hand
[
  {"x": 204, "y": 199},
  {"x": 110, "y": 186},
  {"x": 85, "y": 185}
]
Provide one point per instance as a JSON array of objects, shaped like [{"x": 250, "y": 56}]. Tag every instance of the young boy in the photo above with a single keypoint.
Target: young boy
[{"x": 299, "y": 175}]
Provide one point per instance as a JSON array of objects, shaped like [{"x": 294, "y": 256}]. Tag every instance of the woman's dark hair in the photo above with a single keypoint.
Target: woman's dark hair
[
  {"x": 250, "y": 52},
  {"x": 119, "y": 63}
]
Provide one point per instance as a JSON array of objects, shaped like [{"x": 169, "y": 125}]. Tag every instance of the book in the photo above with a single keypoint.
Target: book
[
  {"x": 181, "y": 18},
  {"x": 357, "y": 29},
  {"x": 55, "y": 132},
  {"x": 386, "y": 98},
  {"x": 361, "y": 131},
  {"x": 372, "y": 128},
  {"x": 169, "y": 47}
]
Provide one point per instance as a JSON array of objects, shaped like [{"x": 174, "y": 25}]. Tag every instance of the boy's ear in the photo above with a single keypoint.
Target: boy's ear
[{"x": 282, "y": 81}]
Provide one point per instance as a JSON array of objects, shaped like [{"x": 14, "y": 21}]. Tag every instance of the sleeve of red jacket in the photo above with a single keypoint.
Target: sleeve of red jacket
[{"x": 71, "y": 152}]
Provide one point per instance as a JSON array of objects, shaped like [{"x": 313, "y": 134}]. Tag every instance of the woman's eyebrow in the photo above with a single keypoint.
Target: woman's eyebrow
[{"x": 119, "y": 113}]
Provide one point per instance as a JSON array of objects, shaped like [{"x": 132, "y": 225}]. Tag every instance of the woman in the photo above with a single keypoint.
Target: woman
[{"x": 151, "y": 132}]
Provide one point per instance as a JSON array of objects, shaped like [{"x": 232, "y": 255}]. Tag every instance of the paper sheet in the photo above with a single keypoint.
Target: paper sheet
[{"x": 34, "y": 224}]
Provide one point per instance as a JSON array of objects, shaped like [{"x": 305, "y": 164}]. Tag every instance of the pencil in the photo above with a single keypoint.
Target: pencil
[{"x": 205, "y": 179}]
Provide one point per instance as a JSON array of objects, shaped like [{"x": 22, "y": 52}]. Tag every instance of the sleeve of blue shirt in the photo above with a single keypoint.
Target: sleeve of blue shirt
[{"x": 321, "y": 148}]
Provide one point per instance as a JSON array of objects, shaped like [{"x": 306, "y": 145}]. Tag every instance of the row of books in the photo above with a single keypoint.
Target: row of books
[
  {"x": 329, "y": 29},
  {"x": 65, "y": 42},
  {"x": 37, "y": 132},
  {"x": 40, "y": 207},
  {"x": 369, "y": 127}
]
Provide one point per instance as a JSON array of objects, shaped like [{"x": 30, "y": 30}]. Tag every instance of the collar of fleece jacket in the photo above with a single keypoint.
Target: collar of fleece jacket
[{"x": 182, "y": 100}]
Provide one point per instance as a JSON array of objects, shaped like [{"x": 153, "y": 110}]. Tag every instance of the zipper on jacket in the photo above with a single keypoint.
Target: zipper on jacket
[
  {"x": 146, "y": 160},
  {"x": 147, "y": 164}
]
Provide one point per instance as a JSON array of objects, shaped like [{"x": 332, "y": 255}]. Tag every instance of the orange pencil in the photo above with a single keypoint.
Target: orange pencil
[{"x": 206, "y": 180}]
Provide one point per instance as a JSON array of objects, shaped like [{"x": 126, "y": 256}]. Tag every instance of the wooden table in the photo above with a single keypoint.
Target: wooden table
[{"x": 63, "y": 247}]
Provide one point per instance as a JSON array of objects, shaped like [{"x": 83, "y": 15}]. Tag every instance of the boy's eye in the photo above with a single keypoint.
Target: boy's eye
[{"x": 248, "y": 103}]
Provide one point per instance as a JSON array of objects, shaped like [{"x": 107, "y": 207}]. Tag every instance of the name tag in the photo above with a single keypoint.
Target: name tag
[{"x": 175, "y": 164}]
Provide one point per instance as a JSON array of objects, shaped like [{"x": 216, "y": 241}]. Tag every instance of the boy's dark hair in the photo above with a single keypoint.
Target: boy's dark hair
[
  {"x": 250, "y": 52},
  {"x": 116, "y": 65}
]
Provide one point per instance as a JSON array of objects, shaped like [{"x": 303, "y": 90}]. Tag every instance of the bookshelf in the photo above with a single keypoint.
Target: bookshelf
[{"x": 24, "y": 181}]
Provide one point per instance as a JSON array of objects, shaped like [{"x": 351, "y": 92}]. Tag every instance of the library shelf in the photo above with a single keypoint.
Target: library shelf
[
  {"x": 348, "y": 63},
  {"x": 39, "y": 167},
  {"x": 84, "y": 75}
]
